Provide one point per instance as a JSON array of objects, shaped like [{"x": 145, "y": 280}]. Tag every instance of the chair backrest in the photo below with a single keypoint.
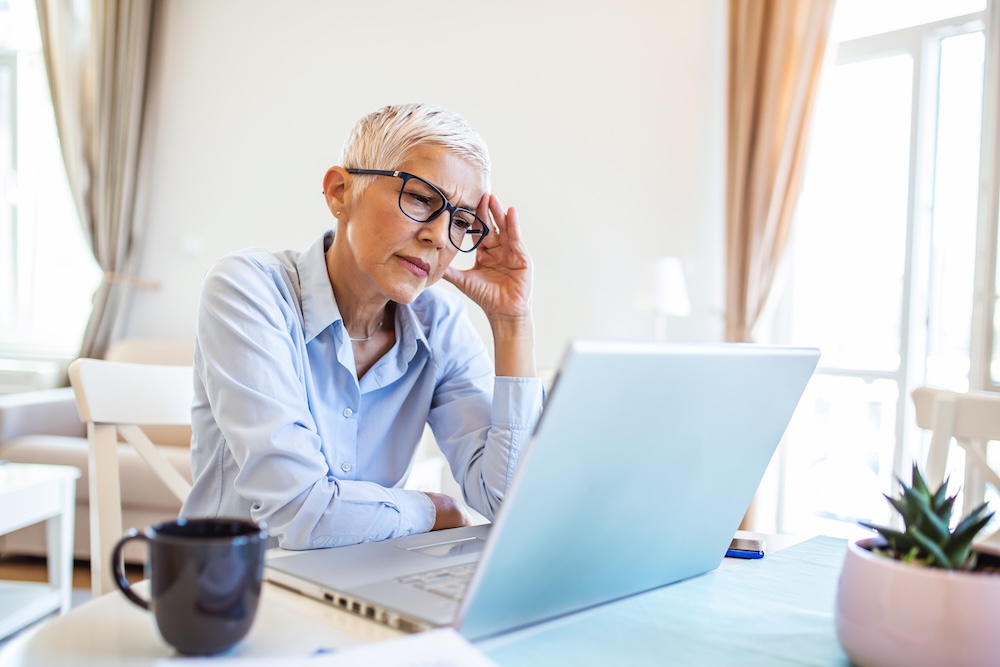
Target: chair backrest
[
  {"x": 114, "y": 399},
  {"x": 163, "y": 352},
  {"x": 971, "y": 419}
]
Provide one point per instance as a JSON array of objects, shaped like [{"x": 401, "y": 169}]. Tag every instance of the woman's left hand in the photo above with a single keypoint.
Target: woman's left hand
[{"x": 500, "y": 280}]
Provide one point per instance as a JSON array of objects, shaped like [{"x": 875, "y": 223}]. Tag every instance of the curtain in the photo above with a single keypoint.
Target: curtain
[
  {"x": 96, "y": 55},
  {"x": 776, "y": 54}
]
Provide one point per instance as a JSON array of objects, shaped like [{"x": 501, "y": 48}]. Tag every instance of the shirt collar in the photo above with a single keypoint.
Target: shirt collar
[
  {"x": 411, "y": 329},
  {"x": 319, "y": 308}
]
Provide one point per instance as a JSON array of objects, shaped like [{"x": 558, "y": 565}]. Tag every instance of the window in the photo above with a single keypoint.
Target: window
[
  {"x": 882, "y": 262},
  {"x": 47, "y": 273}
]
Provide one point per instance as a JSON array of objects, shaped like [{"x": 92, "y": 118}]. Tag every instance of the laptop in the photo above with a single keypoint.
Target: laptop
[{"x": 637, "y": 475}]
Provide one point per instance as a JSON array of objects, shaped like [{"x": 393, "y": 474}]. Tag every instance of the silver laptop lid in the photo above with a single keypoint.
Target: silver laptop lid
[{"x": 642, "y": 466}]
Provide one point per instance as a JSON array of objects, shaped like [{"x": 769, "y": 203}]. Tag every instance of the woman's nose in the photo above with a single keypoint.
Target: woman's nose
[{"x": 436, "y": 230}]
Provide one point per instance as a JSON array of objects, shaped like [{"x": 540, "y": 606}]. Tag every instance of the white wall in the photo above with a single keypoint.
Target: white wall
[{"x": 605, "y": 120}]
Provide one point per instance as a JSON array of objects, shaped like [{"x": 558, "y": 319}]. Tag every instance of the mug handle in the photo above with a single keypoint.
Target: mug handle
[{"x": 118, "y": 569}]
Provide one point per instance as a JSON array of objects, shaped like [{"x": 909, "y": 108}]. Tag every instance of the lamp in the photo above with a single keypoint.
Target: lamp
[{"x": 670, "y": 295}]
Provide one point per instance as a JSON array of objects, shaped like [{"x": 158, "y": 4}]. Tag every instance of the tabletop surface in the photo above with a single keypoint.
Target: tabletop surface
[
  {"x": 17, "y": 476},
  {"x": 780, "y": 606},
  {"x": 773, "y": 612}
]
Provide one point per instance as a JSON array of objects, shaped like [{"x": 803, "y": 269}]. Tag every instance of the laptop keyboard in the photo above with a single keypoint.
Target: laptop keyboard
[{"x": 450, "y": 582}]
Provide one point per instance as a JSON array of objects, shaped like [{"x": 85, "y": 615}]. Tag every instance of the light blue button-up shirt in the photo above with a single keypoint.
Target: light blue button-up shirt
[{"x": 284, "y": 432}]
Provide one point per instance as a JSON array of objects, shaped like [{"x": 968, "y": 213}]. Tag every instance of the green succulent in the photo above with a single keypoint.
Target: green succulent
[{"x": 927, "y": 537}]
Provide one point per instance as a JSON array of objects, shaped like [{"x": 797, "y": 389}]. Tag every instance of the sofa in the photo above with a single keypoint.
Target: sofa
[{"x": 45, "y": 427}]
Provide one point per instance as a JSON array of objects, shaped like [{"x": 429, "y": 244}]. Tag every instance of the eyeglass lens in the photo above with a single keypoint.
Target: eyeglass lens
[{"x": 420, "y": 201}]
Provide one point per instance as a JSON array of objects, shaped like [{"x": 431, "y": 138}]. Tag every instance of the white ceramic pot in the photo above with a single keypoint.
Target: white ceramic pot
[{"x": 893, "y": 614}]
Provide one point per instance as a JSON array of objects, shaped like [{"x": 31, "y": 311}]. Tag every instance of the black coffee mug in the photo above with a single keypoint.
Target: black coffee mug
[{"x": 205, "y": 579}]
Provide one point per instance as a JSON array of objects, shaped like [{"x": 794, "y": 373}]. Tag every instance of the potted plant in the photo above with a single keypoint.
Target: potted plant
[{"x": 922, "y": 596}]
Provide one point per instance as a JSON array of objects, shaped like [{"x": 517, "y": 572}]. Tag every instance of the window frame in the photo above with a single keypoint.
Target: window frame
[
  {"x": 985, "y": 300},
  {"x": 923, "y": 43},
  {"x": 8, "y": 286},
  {"x": 42, "y": 317}
]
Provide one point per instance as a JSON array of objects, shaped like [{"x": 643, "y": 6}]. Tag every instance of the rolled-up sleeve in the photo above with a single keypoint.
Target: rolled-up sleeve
[{"x": 482, "y": 433}]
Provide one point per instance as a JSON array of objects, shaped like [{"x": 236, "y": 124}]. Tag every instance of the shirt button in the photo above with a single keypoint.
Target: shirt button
[
  {"x": 367, "y": 540},
  {"x": 348, "y": 412},
  {"x": 346, "y": 467}
]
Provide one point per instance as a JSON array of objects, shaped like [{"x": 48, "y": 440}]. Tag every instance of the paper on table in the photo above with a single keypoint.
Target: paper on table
[{"x": 434, "y": 648}]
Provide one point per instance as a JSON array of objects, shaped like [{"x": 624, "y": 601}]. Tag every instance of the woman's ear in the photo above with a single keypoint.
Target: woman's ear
[{"x": 335, "y": 188}]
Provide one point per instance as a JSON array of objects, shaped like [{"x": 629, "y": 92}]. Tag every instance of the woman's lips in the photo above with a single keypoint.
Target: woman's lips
[{"x": 416, "y": 266}]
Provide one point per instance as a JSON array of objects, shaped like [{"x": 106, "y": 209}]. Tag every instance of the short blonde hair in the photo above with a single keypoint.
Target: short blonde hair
[{"x": 384, "y": 139}]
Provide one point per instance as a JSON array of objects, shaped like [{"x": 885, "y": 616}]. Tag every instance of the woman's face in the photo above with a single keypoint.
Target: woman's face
[{"x": 399, "y": 257}]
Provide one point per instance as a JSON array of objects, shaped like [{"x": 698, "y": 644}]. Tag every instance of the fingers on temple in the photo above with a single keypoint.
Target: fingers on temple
[
  {"x": 507, "y": 221},
  {"x": 483, "y": 208}
]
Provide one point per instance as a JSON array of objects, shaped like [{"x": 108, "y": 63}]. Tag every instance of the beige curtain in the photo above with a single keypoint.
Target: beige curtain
[
  {"x": 776, "y": 50},
  {"x": 96, "y": 55},
  {"x": 776, "y": 53}
]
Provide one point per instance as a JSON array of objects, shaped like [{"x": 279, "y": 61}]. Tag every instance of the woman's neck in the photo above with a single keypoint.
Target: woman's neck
[{"x": 363, "y": 318}]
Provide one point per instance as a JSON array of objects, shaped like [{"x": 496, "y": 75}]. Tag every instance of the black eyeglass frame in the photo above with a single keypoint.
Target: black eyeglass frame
[{"x": 446, "y": 206}]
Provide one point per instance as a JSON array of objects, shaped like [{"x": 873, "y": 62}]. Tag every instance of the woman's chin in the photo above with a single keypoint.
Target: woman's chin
[{"x": 406, "y": 294}]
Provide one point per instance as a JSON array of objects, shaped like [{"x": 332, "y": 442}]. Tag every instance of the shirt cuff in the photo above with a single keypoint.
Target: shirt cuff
[
  {"x": 517, "y": 402},
  {"x": 416, "y": 512}
]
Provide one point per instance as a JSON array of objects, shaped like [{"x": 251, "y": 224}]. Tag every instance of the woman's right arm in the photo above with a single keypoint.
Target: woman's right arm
[{"x": 260, "y": 440}]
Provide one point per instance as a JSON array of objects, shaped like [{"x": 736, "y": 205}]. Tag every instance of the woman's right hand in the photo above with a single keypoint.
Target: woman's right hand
[
  {"x": 499, "y": 282},
  {"x": 450, "y": 512}
]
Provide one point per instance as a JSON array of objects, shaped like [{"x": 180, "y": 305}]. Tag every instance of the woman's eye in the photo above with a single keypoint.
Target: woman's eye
[{"x": 418, "y": 198}]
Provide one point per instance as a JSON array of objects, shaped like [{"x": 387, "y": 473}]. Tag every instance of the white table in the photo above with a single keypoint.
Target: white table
[
  {"x": 29, "y": 494},
  {"x": 110, "y": 631}
]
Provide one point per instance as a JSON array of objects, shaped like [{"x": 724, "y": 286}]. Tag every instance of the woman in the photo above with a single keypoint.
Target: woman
[{"x": 316, "y": 371}]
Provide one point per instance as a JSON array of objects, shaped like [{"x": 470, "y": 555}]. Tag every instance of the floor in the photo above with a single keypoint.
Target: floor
[{"x": 30, "y": 568}]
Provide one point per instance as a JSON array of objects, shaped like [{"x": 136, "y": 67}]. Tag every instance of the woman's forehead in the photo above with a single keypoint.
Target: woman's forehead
[{"x": 459, "y": 179}]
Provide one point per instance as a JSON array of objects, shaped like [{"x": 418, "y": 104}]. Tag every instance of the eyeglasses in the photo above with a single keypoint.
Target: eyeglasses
[{"x": 422, "y": 201}]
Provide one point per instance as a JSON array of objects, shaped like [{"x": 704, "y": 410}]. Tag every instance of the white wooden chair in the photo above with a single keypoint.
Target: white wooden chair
[
  {"x": 971, "y": 419},
  {"x": 114, "y": 399}
]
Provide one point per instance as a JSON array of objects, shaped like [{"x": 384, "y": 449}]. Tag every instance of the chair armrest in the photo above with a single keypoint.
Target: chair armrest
[{"x": 45, "y": 412}]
